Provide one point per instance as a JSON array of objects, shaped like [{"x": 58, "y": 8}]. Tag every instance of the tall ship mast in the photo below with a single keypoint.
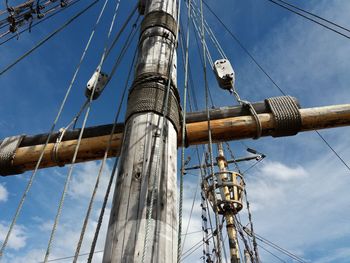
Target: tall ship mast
[{"x": 174, "y": 131}]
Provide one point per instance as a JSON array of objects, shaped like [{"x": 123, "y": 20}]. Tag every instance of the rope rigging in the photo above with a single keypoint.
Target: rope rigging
[
  {"x": 159, "y": 141},
  {"x": 207, "y": 256},
  {"x": 69, "y": 174},
  {"x": 34, "y": 24},
  {"x": 31, "y": 180},
  {"x": 218, "y": 229},
  {"x": 43, "y": 41},
  {"x": 183, "y": 139},
  {"x": 77, "y": 250},
  {"x": 119, "y": 59},
  {"x": 28, "y": 12},
  {"x": 308, "y": 15},
  {"x": 249, "y": 54},
  {"x": 196, "y": 16},
  {"x": 32, "y": 177},
  {"x": 98, "y": 227}
]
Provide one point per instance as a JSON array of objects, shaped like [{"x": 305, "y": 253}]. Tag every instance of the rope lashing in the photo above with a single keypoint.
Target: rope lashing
[
  {"x": 286, "y": 114},
  {"x": 8, "y": 149},
  {"x": 54, "y": 153}
]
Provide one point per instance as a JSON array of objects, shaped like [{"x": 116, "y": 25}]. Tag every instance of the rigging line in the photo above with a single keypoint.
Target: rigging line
[
  {"x": 273, "y": 245},
  {"x": 271, "y": 253},
  {"x": 245, "y": 242},
  {"x": 183, "y": 140},
  {"x": 48, "y": 37},
  {"x": 207, "y": 203},
  {"x": 190, "y": 217},
  {"x": 212, "y": 35},
  {"x": 194, "y": 248},
  {"x": 313, "y": 20},
  {"x": 162, "y": 117},
  {"x": 93, "y": 245},
  {"x": 210, "y": 59},
  {"x": 201, "y": 58},
  {"x": 249, "y": 241},
  {"x": 127, "y": 43},
  {"x": 69, "y": 257},
  {"x": 233, "y": 36},
  {"x": 65, "y": 189},
  {"x": 332, "y": 149},
  {"x": 267, "y": 75},
  {"x": 287, "y": 253},
  {"x": 252, "y": 166},
  {"x": 77, "y": 251},
  {"x": 191, "y": 233},
  {"x": 248, "y": 207},
  {"x": 191, "y": 86},
  {"x": 314, "y": 15},
  {"x": 209, "y": 131},
  {"x": 185, "y": 254},
  {"x": 126, "y": 22},
  {"x": 39, "y": 22},
  {"x": 280, "y": 249},
  {"x": 183, "y": 132},
  {"x": 32, "y": 177}
]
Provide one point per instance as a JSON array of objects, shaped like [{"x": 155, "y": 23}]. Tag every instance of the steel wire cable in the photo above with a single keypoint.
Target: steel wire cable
[
  {"x": 68, "y": 177},
  {"x": 77, "y": 251},
  {"x": 93, "y": 245},
  {"x": 198, "y": 39},
  {"x": 186, "y": 63},
  {"x": 43, "y": 41},
  {"x": 280, "y": 249},
  {"x": 194, "y": 248},
  {"x": 38, "y": 22},
  {"x": 21, "y": 17},
  {"x": 271, "y": 253},
  {"x": 270, "y": 78},
  {"x": 256, "y": 252},
  {"x": 311, "y": 19},
  {"x": 156, "y": 149},
  {"x": 183, "y": 138},
  {"x": 32, "y": 177},
  {"x": 218, "y": 252},
  {"x": 69, "y": 257},
  {"x": 244, "y": 240},
  {"x": 314, "y": 15},
  {"x": 191, "y": 86},
  {"x": 210, "y": 33}
]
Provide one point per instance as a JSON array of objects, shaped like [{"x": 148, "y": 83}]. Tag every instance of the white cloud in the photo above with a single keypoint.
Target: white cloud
[
  {"x": 69, "y": 227},
  {"x": 282, "y": 172},
  {"x": 18, "y": 237},
  {"x": 3, "y": 193},
  {"x": 339, "y": 254},
  {"x": 84, "y": 180}
]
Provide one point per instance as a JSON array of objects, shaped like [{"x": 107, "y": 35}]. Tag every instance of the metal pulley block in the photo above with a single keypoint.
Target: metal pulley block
[
  {"x": 63, "y": 3},
  {"x": 225, "y": 74},
  {"x": 98, "y": 79}
]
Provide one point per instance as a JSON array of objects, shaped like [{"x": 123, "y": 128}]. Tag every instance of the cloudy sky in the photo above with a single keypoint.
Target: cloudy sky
[{"x": 299, "y": 194}]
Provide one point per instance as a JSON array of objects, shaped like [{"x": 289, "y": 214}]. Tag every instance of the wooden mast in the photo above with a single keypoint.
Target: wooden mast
[
  {"x": 148, "y": 161},
  {"x": 228, "y": 213}
]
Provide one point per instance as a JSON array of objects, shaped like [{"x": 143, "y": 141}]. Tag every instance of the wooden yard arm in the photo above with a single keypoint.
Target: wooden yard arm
[{"x": 229, "y": 123}]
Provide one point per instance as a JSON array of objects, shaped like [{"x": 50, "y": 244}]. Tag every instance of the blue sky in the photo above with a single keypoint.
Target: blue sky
[{"x": 299, "y": 194}]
